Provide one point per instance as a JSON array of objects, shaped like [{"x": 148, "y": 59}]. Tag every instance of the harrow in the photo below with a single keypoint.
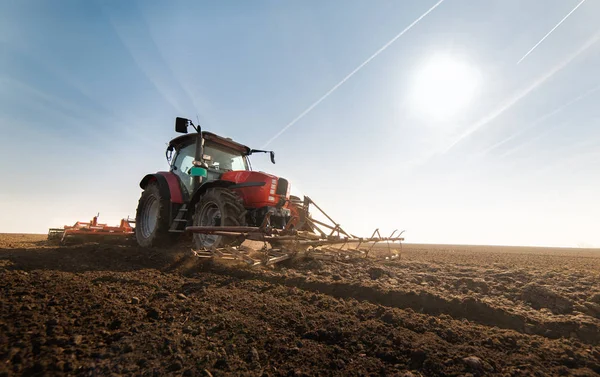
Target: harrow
[
  {"x": 92, "y": 231},
  {"x": 302, "y": 236}
]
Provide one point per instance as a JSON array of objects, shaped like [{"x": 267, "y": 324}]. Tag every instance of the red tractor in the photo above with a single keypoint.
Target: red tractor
[{"x": 209, "y": 183}]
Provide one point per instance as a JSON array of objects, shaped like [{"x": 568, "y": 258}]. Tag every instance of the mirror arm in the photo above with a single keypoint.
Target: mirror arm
[{"x": 271, "y": 153}]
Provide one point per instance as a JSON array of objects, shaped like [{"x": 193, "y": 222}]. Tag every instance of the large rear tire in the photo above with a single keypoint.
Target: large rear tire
[
  {"x": 152, "y": 218},
  {"x": 219, "y": 207}
]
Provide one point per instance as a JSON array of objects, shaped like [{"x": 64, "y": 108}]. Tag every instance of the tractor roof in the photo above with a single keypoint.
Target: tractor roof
[{"x": 226, "y": 142}]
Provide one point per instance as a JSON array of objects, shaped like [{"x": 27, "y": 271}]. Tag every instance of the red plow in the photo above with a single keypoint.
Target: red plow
[{"x": 92, "y": 231}]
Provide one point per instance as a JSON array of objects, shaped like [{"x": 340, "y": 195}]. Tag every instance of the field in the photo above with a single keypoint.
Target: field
[{"x": 436, "y": 311}]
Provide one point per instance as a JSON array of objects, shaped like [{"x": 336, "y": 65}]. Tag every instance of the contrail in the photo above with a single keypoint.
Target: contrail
[
  {"x": 508, "y": 104},
  {"x": 543, "y": 118},
  {"x": 550, "y": 32},
  {"x": 317, "y": 102}
]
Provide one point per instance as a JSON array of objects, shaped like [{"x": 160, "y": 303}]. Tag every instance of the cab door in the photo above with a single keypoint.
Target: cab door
[{"x": 182, "y": 164}]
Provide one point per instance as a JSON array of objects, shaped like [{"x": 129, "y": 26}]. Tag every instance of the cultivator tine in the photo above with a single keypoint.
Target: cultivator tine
[
  {"x": 244, "y": 257},
  {"x": 276, "y": 259},
  {"x": 400, "y": 235},
  {"x": 203, "y": 254},
  {"x": 373, "y": 243},
  {"x": 266, "y": 222},
  {"x": 342, "y": 247},
  {"x": 388, "y": 242}
]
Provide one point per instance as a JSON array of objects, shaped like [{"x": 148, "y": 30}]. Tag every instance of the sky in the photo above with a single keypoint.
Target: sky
[{"x": 462, "y": 130}]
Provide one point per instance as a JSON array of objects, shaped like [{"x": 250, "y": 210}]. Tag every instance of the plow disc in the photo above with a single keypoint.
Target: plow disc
[{"x": 302, "y": 236}]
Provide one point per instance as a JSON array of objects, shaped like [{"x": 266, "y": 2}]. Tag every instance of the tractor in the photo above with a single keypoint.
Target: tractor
[{"x": 210, "y": 183}]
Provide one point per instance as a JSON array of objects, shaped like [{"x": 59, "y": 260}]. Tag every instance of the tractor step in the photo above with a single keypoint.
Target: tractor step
[{"x": 180, "y": 218}]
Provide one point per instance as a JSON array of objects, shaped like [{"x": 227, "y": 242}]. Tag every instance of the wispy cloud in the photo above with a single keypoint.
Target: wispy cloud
[
  {"x": 550, "y": 32},
  {"x": 522, "y": 94},
  {"x": 330, "y": 91}
]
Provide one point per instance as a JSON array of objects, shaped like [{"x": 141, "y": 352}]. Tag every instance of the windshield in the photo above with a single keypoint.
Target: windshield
[{"x": 224, "y": 159}]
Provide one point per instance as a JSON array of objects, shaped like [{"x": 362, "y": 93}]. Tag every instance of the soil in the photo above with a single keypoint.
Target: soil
[{"x": 100, "y": 309}]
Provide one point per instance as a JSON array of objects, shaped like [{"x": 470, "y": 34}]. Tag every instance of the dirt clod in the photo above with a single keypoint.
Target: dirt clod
[
  {"x": 474, "y": 363},
  {"x": 174, "y": 367},
  {"x": 153, "y": 313},
  {"x": 376, "y": 272},
  {"x": 253, "y": 356},
  {"x": 595, "y": 298},
  {"x": 544, "y": 297}
]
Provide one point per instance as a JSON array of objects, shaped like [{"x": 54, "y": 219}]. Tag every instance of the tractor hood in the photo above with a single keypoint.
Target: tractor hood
[{"x": 259, "y": 189}]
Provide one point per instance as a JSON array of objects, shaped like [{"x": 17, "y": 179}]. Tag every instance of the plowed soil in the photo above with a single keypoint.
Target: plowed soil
[{"x": 98, "y": 309}]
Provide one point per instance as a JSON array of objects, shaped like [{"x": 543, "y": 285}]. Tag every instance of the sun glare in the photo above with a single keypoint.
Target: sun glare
[{"x": 443, "y": 87}]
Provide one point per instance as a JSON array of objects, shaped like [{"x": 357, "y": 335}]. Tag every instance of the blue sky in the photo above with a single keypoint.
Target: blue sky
[{"x": 89, "y": 92}]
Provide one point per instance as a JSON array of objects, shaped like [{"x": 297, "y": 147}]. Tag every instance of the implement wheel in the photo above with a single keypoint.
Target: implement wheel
[
  {"x": 152, "y": 218},
  {"x": 219, "y": 207}
]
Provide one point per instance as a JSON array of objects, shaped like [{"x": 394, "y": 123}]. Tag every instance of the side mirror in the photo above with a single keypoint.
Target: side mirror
[
  {"x": 169, "y": 153},
  {"x": 181, "y": 125},
  {"x": 272, "y": 154}
]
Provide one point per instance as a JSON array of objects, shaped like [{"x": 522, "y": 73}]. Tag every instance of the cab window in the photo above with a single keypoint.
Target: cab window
[{"x": 183, "y": 163}]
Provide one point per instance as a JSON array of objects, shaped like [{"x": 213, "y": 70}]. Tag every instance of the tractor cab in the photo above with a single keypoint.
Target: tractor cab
[{"x": 219, "y": 155}]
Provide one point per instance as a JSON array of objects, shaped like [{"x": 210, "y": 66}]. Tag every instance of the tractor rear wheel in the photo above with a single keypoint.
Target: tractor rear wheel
[
  {"x": 152, "y": 218},
  {"x": 219, "y": 207}
]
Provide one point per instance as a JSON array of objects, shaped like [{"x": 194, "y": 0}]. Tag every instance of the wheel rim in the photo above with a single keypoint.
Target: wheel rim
[
  {"x": 210, "y": 215},
  {"x": 150, "y": 216}
]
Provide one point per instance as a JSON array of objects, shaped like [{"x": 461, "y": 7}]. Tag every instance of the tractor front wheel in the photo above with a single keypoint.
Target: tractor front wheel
[
  {"x": 219, "y": 207},
  {"x": 152, "y": 218}
]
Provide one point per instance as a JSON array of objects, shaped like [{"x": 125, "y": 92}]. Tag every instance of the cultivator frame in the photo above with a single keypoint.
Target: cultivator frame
[
  {"x": 92, "y": 230},
  {"x": 266, "y": 245}
]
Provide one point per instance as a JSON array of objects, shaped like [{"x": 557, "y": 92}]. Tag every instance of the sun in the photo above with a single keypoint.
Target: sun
[{"x": 443, "y": 87}]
